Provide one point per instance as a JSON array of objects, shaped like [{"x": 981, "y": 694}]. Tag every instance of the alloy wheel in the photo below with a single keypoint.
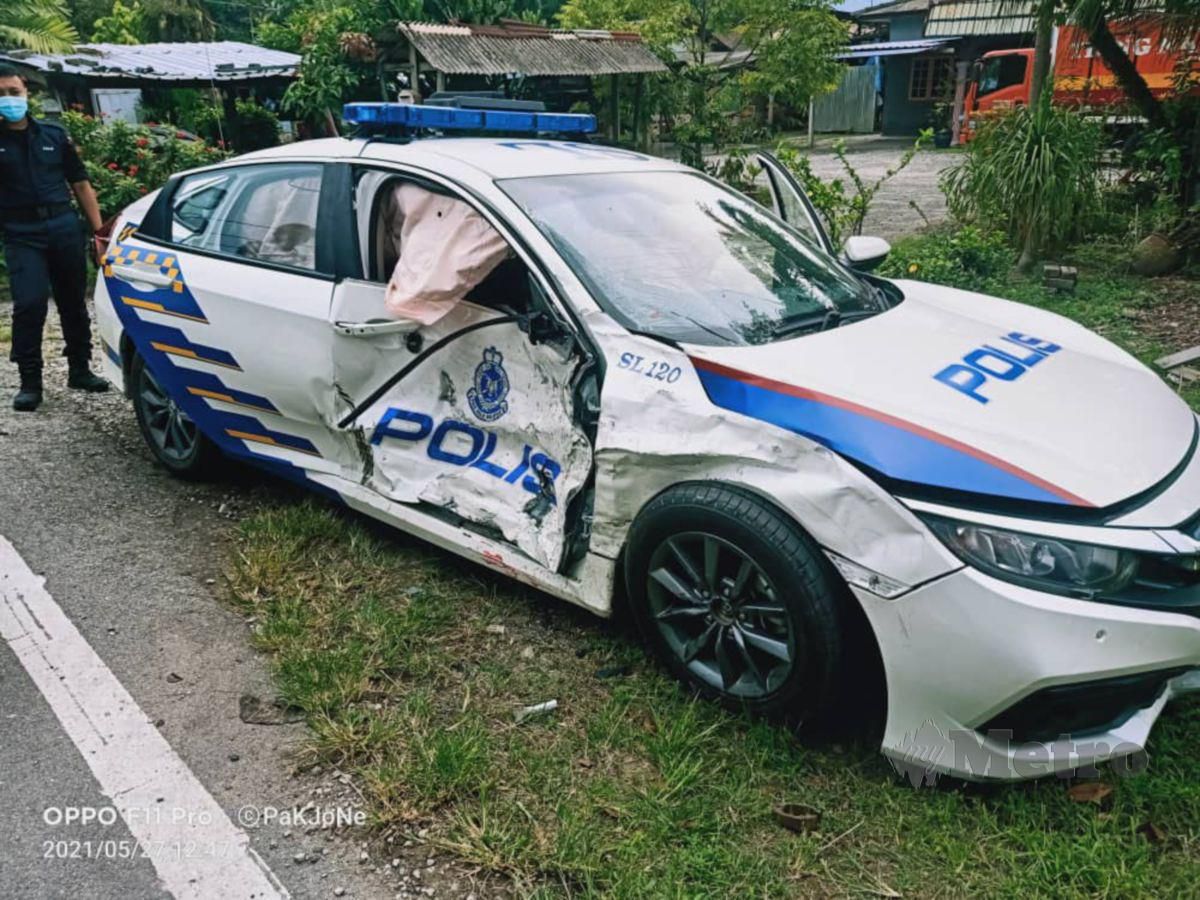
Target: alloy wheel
[
  {"x": 721, "y": 615},
  {"x": 173, "y": 432}
]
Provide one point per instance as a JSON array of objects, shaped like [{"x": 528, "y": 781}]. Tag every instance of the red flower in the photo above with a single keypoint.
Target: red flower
[
  {"x": 151, "y": 124},
  {"x": 133, "y": 170},
  {"x": 142, "y": 189},
  {"x": 143, "y": 142},
  {"x": 181, "y": 135},
  {"x": 113, "y": 166}
]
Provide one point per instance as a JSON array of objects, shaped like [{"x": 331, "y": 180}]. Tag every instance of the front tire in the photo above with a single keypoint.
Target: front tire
[
  {"x": 173, "y": 438},
  {"x": 736, "y": 600}
]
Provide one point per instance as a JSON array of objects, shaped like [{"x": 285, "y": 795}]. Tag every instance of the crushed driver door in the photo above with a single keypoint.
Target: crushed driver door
[{"x": 468, "y": 418}]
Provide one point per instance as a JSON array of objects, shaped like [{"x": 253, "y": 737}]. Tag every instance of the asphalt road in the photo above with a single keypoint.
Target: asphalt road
[{"x": 133, "y": 559}]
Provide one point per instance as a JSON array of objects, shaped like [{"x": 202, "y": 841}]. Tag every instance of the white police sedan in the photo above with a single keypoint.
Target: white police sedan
[{"x": 798, "y": 473}]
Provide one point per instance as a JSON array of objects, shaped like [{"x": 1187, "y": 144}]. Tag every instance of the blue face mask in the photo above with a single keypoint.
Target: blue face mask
[{"x": 13, "y": 109}]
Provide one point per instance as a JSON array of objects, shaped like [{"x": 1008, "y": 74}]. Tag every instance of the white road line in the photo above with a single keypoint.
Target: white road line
[{"x": 195, "y": 848}]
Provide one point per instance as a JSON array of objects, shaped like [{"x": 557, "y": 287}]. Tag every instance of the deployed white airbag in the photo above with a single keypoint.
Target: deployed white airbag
[{"x": 445, "y": 249}]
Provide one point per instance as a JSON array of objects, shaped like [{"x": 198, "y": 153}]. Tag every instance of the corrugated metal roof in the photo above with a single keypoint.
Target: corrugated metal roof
[
  {"x": 893, "y": 48},
  {"x": 218, "y": 61},
  {"x": 963, "y": 18},
  {"x": 513, "y": 47},
  {"x": 892, "y": 8}
]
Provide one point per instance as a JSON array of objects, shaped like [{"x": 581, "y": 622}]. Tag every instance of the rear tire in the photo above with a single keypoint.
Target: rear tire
[
  {"x": 736, "y": 601},
  {"x": 171, "y": 435}
]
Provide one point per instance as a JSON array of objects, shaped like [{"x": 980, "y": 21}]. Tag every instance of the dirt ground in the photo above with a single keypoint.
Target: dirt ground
[
  {"x": 910, "y": 200},
  {"x": 1175, "y": 320}
]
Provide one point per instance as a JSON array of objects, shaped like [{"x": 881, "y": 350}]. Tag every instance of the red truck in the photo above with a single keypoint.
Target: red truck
[{"x": 1001, "y": 79}]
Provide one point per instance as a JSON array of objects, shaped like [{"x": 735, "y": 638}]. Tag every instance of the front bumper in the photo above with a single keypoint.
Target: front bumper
[{"x": 963, "y": 649}]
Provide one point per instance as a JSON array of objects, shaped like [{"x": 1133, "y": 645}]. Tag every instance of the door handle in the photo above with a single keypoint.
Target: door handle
[
  {"x": 376, "y": 326},
  {"x": 138, "y": 275}
]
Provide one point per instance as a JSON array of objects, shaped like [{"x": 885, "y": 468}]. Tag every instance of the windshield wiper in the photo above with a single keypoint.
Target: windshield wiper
[
  {"x": 819, "y": 321},
  {"x": 822, "y": 321}
]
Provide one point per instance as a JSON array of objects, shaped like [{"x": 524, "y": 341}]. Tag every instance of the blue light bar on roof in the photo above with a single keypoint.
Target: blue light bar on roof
[{"x": 380, "y": 116}]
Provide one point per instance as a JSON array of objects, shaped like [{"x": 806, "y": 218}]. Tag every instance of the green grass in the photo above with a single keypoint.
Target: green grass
[
  {"x": 410, "y": 666},
  {"x": 633, "y": 789}
]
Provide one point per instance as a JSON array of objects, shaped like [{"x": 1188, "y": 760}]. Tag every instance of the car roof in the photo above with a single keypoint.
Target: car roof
[{"x": 497, "y": 158}]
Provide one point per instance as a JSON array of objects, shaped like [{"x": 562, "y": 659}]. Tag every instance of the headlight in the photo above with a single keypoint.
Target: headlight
[{"x": 1048, "y": 564}]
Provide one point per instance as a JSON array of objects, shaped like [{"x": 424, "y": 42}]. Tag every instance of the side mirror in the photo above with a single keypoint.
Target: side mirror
[{"x": 865, "y": 253}]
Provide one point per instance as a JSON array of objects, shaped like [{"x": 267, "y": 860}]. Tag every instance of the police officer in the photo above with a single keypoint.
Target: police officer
[{"x": 43, "y": 243}]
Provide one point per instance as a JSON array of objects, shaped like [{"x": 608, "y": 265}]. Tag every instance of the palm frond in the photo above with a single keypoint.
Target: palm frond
[{"x": 39, "y": 25}]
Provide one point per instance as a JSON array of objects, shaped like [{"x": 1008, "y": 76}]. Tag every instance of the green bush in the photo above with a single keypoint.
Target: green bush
[
  {"x": 966, "y": 257},
  {"x": 126, "y": 161},
  {"x": 1034, "y": 173},
  {"x": 258, "y": 127}
]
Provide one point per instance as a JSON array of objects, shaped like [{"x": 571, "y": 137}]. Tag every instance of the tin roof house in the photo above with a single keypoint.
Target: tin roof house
[
  {"x": 928, "y": 50},
  {"x": 109, "y": 80}
]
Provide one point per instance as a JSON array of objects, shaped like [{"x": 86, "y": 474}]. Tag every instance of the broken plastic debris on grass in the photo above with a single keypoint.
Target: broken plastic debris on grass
[
  {"x": 1089, "y": 791},
  {"x": 797, "y": 817},
  {"x": 538, "y": 709}
]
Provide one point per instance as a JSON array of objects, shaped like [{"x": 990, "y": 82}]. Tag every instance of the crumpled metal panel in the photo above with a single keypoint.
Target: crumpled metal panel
[
  {"x": 658, "y": 432},
  {"x": 483, "y": 430}
]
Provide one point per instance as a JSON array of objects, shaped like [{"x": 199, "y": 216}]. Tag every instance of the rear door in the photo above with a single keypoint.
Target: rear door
[{"x": 226, "y": 297}]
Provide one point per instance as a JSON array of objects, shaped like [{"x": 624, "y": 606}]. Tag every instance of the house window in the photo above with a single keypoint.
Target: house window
[{"x": 930, "y": 78}]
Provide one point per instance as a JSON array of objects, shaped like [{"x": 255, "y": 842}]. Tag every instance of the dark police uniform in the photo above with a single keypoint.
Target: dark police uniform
[{"x": 44, "y": 243}]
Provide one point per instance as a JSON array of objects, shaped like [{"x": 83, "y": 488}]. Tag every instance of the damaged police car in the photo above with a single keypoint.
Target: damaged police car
[{"x": 600, "y": 372}]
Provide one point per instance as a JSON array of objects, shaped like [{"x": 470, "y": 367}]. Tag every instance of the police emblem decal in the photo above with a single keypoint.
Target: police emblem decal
[{"x": 491, "y": 387}]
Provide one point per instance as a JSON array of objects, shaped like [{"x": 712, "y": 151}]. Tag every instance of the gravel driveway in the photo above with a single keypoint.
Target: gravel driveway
[
  {"x": 892, "y": 214},
  {"x": 134, "y": 559}
]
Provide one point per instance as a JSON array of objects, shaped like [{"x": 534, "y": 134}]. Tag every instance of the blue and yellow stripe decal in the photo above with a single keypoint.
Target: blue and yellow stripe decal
[
  {"x": 111, "y": 353},
  {"x": 210, "y": 387},
  {"x": 154, "y": 306},
  {"x": 174, "y": 342},
  {"x": 198, "y": 392},
  {"x": 275, "y": 439}
]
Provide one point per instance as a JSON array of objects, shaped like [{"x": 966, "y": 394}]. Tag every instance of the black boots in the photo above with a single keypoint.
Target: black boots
[
  {"x": 29, "y": 397},
  {"x": 81, "y": 378}
]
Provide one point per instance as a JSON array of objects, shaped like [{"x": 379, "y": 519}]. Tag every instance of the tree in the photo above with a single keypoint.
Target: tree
[
  {"x": 177, "y": 20},
  {"x": 792, "y": 43},
  {"x": 40, "y": 25},
  {"x": 336, "y": 41},
  {"x": 1171, "y": 116},
  {"x": 121, "y": 26},
  {"x": 1043, "y": 14}
]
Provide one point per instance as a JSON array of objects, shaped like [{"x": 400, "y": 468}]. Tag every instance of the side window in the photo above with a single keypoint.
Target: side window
[
  {"x": 264, "y": 213},
  {"x": 791, "y": 210},
  {"x": 426, "y": 242},
  {"x": 1002, "y": 72},
  {"x": 931, "y": 78}
]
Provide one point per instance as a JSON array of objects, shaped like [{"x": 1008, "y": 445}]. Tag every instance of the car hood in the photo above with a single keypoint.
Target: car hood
[{"x": 966, "y": 392}]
